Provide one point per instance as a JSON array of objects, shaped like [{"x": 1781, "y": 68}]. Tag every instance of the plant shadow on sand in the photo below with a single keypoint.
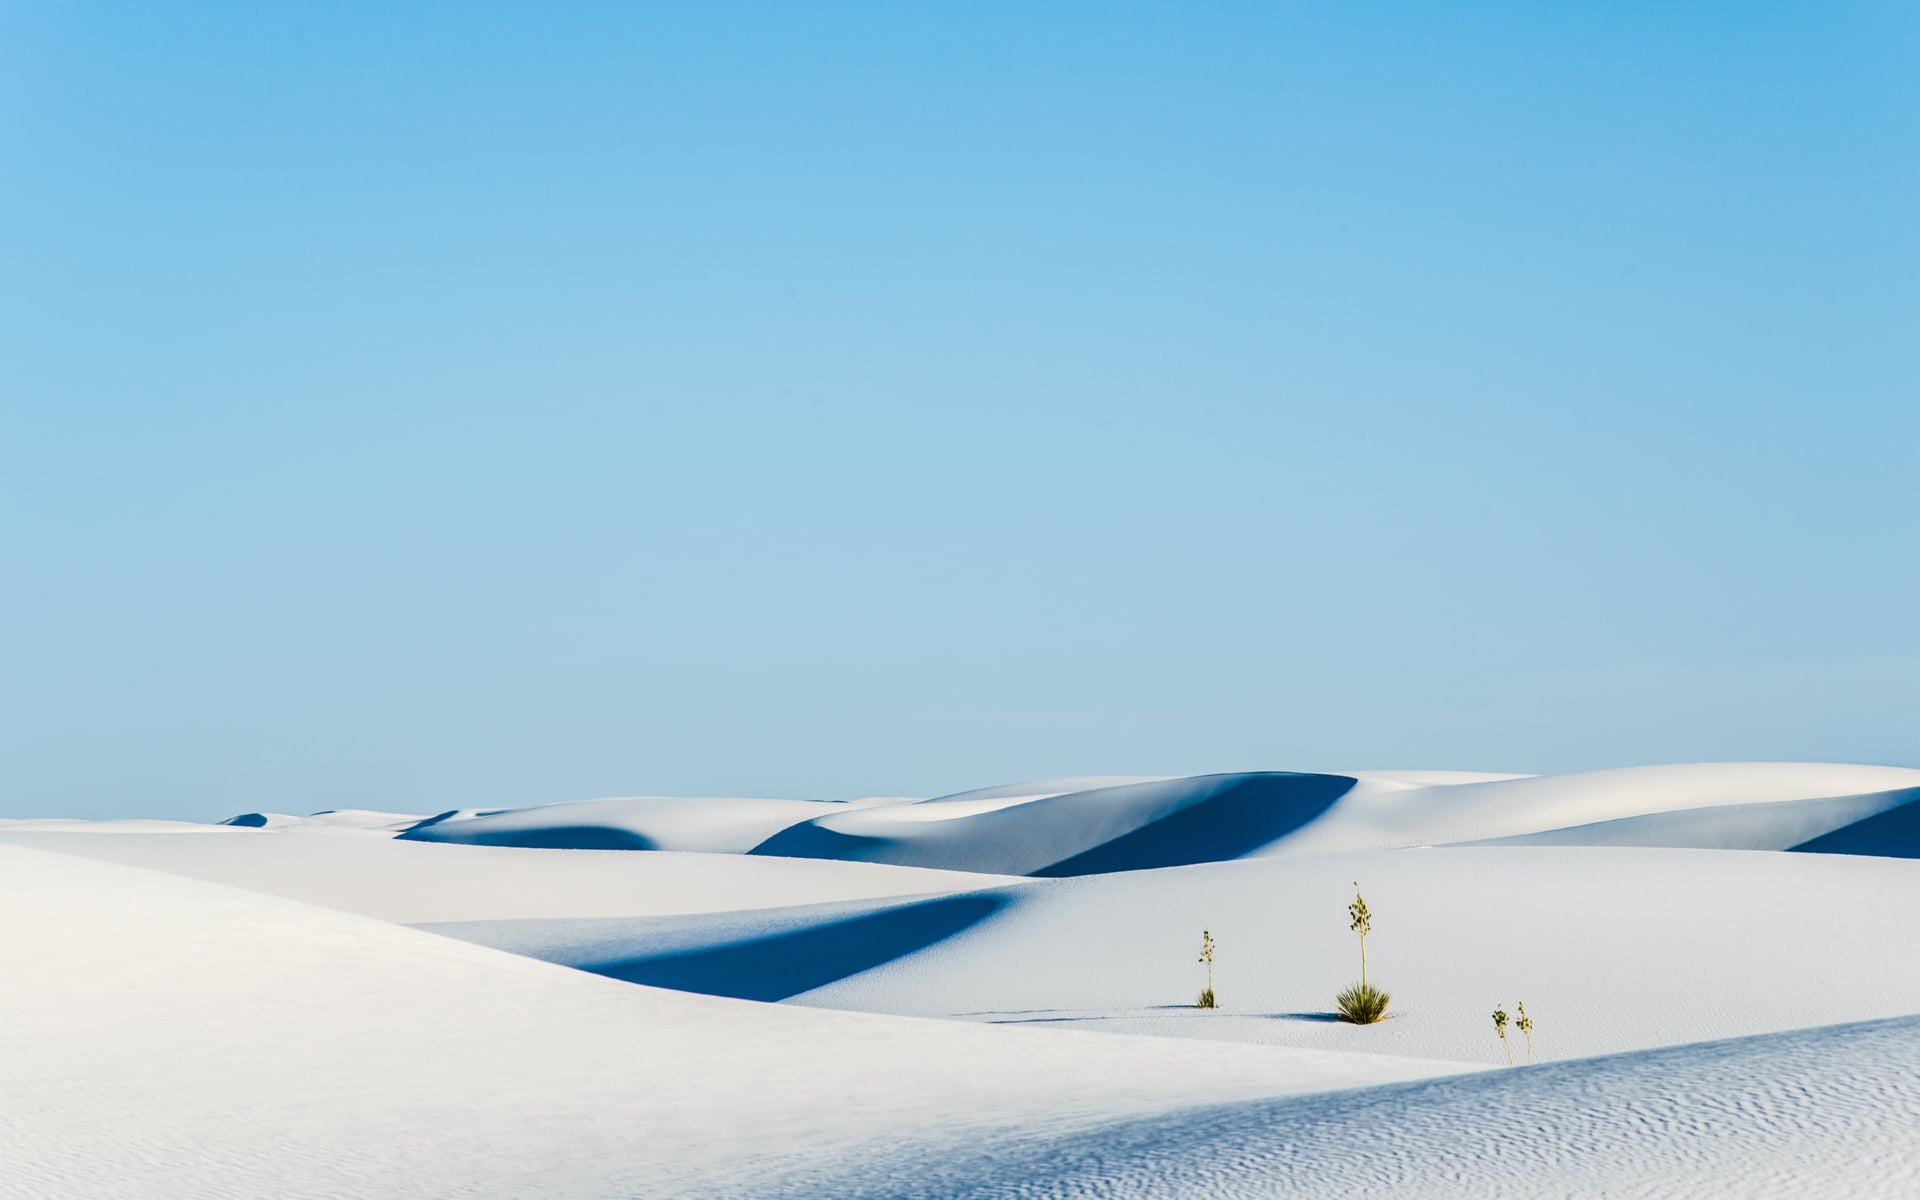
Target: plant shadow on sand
[{"x": 1038, "y": 1016}]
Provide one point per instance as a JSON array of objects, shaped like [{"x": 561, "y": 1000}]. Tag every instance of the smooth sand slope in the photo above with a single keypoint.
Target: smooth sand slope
[
  {"x": 413, "y": 882},
  {"x": 164, "y": 1037},
  {"x": 169, "y": 1034},
  {"x": 1065, "y": 827},
  {"x": 1612, "y": 949},
  {"x": 713, "y": 824}
]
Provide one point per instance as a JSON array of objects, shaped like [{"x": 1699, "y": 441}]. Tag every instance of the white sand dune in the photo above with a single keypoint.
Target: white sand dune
[
  {"x": 165, "y": 1033},
  {"x": 1036, "y": 788},
  {"x": 713, "y": 824},
  {"x": 1101, "y": 824},
  {"x": 1612, "y": 950},
  {"x": 164, "y": 1037},
  {"x": 12, "y": 825},
  {"x": 1214, "y": 817},
  {"x": 1773, "y": 806},
  {"x": 412, "y": 882},
  {"x": 1035, "y": 831},
  {"x": 333, "y": 819},
  {"x": 1831, "y": 1112}
]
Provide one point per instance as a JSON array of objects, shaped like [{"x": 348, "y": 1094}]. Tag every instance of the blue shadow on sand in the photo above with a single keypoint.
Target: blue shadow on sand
[
  {"x": 808, "y": 840},
  {"x": 565, "y": 837},
  {"x": 1246, "y": 813},
  {"x": 1893, "y": 832},
  {"x": 781, "y": 965},
  {"x": 556, "y": 837}
]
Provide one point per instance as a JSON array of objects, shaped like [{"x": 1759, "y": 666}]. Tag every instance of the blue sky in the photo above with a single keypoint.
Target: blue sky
[{"x": 418, "y": 406}]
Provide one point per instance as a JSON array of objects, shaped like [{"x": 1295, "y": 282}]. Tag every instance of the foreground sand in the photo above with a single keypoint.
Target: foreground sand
[{"x": 244, "y": 1011}]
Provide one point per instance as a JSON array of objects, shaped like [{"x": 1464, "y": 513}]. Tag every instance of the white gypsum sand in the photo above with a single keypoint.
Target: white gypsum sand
[
  {"x": 236, "y": 1010},
  {"x": 414, "y": 882},
  {"x": 165, "y": 1037}
]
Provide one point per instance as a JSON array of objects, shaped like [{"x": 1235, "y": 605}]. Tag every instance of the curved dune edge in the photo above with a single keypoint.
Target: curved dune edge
[
  {"x": 182, "y": 1039},
  {"x": 1828, "y": 1111},
  {"x": 166, "y": 1038},
  {"x": 1133, "y": 826},
  {"x": 1615, "y": 949},
  {"x": 425, "y": 882},
  {"x": 768, "y": 954},
  {"x": 1065, "y": 827}
]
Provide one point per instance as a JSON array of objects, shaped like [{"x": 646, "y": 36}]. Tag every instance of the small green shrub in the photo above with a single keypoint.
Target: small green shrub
[
  {"x": 1362, "y": 1004},
  {"x": 1206, "y": 956}
]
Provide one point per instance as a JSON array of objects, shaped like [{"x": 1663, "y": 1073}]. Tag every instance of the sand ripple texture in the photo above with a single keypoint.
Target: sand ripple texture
[{"x": 1818, "y": 1112}]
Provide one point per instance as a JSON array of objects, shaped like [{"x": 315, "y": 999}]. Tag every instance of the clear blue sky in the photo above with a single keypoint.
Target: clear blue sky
[{"x": 413, "y": 406}]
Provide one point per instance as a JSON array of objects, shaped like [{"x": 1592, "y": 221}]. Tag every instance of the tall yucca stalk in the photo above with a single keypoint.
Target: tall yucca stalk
[
  {"x": 1500, "y": 1027},
  {"x": 1362, "y": 1003},
  {"x": 1526, "y": 1029},
  {"x": 1206, "y": 956},
  {"x": 1362, "y": 925}
]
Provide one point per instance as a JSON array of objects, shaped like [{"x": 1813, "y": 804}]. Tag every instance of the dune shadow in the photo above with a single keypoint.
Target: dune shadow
[
  {"x": 1884, "y": 824},
  {"x": 809, "y": 840},
  {"x": 1894, "y": 832},
  {"x": 785, "y": 964},
  {"x": 1243, "y": 815},
  {"x": 559, "y": 837},
  {"x": 427, "y": 823},
  {"x": 1323, "y": 1018}
]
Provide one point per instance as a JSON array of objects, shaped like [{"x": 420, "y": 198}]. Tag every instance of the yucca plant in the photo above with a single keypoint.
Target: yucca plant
[
  {"x": 1361, "y": 922},
  {"x": 1362, "y": 1003},
  {"x": 1500, "y": 1027},
  {"x": 1526, "y": 1028},
  {"x": 1206, "y": 956}
]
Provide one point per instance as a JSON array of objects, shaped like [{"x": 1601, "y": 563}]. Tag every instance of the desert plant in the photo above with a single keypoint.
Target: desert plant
[
  {"x": 1500, "y": 1027},
  {"x": 1362, "y": 924},
  {"x": 1526, "y": 1028},
  {"x": 1361, "y": 1004},
  {"x": 1206, "y": 956}
]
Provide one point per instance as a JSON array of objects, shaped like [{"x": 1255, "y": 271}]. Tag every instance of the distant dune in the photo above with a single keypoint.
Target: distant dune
[
  {"x": 1084, "y": 827},
  {"x": 989, "y": 993}
]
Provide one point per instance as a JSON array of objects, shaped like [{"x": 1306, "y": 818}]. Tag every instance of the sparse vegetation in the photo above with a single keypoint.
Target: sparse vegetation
[
  {"x": 1362, "y": 1003},
  {"x": 1362, "y": 924},
  {"x": 1500, "y": 1027},
  {"x": 1526, "y": 1028},
  {"x": 1206, "y": 956}
]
